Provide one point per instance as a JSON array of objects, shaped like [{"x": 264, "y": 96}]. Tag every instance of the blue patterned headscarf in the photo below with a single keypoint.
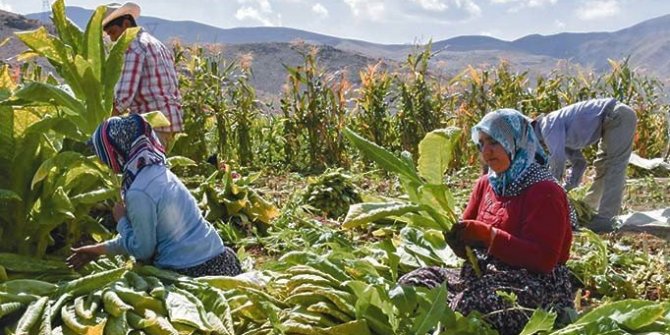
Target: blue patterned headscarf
[
  {"x": 127, "y": 144},
  {"x": 514, "y": 132}
]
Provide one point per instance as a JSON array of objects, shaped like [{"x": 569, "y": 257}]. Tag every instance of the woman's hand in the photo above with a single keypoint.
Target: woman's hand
[
  {"x": 119, "y": 211},
  {"x": 476, "y": 233},
  {"x": 84, "y": 255},
  {"x": 454, "y": 239}
]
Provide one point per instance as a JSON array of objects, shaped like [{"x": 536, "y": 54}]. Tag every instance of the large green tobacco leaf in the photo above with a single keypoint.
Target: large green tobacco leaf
[
  {"x": 360, "y": 214},
  {"x": 93, "y": 94},
  {"x": 437, "y": 311},
  {"x": 8, "y": 196},
  {"x": 94, "y": 197},
  {"x": 631, "y": 313},
  {"x": 49, "y": 94},
  {"x": 47, "y": 214},
  {"x": 67, "y": 30},
  {"x": 439, "y": 198},
  {"x": 22, "y": 263},
  {"x": 381, "y": 156},
  {"x": 46, "y": 45},
  {"x": 94, "y": 49},
  {"x": 184, "y": 308},
  {"x": 540, "y": 321},
  {"x": 358, "y": 327},
  {"x": 604, "y": 326},
  {"x": 63, "y": 159},
  {"x": 436, "y": 152},
  {"x": 404, "y": 298},
  {"x": 426, "y": 247},
  {"x": 6, "y": 143}
]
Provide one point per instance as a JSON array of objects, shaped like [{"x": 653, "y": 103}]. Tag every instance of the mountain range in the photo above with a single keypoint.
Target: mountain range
[{"x": 647, "y": 44}]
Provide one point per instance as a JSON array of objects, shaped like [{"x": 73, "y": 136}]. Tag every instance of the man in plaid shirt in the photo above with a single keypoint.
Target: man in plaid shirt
[{"x": 148, "y": 80}]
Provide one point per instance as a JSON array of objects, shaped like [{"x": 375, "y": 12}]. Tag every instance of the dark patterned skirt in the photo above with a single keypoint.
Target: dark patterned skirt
[
  {"x": 225, "y": 264},
  {"x": 468, "y": 293}
]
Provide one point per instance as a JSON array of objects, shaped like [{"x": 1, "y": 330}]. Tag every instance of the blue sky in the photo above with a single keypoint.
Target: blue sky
[{"x": 398, "y": 21}]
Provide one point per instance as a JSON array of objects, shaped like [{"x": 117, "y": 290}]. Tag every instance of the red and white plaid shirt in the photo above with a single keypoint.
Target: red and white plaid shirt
[{"x": 149, "y": 81}]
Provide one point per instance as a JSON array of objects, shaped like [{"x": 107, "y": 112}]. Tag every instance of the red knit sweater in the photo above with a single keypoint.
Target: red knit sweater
[{"x": 533, "y": 228}]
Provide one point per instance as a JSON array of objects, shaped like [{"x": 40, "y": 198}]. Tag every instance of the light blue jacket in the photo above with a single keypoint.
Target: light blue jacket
[
  {"x": 163, "y": 224},
  {"x": 570, "y": 129}
]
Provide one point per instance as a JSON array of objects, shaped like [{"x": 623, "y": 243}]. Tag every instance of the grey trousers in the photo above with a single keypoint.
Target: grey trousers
[{"x": 606, "y": 192}]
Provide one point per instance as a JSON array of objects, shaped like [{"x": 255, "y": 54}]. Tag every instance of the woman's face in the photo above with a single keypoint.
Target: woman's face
[{"x": 493, "y": 153}]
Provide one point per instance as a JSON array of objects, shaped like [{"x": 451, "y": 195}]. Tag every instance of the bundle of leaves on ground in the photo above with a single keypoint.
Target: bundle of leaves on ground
[
  {"x": 229, "y": 199},
  {"x": 331, "y": 194},
  {"x": 115, "y": 299}
]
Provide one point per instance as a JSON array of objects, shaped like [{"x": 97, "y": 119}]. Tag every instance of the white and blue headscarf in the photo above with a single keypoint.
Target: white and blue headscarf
[
  {"x": 127, "y": 144},
  {"x": 514, "y": 132}
]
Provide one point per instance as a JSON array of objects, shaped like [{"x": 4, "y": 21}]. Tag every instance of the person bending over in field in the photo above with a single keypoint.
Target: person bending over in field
[
  {"x": 518, "y": 222},
  {"x": 158, "y": 221},
  {"x": 567, "y": 131}
]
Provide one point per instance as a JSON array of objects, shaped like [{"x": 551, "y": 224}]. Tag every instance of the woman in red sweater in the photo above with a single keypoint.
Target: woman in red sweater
[{"x": 519, "y": 223}]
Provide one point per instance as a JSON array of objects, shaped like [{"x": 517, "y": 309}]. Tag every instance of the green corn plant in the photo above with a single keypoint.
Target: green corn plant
[
  {"x": 313, "y": 104},
  {"x": 545, "y": 96},
  {"x": 471, "y": 103},
  {"x": 204, "y": 85},
  {"x": 373, "y": 117},
  {"x": 80, "y": 59},
  {"x": 267, "y": 134},
  {"x": 243, "y": 109},
  {"x": 195, "y": 102},
  {"x": 508, "y": 88},
  {"x": 420, "y": 104}
]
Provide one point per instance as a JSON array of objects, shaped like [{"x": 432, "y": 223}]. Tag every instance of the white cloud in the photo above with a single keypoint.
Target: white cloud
[
  {"x": 526, "y": 3},
  {"x": 250, "y": 13},
  {"x": 540, "y": 3},
  {"x": 5, "y": 6},
  {"x": 371, "y": 9},
  {"x": 598, "y": 9},
  {"x": 469, "y": 6},
  {"x": 435, "y": 12},
  {"x": 432, "y": 5},
  {"x": 559, "y": 24},
  {"x": 259, "y": 11},
  {"x": 320, "y": 10},
  {"x": 517, "y": 5},
  {"x": 262, "y": 5}
]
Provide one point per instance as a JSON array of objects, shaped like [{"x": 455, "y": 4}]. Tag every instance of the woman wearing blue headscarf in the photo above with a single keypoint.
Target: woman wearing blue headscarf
[
  {"x": 158, "y": 221},
  {"x": 518, "y": 222}
]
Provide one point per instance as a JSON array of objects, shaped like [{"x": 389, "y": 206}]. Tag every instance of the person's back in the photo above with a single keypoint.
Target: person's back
[
  {"x": 578, "y": 124},
  {"x": 158, "y": 86},
  {"x": 567, "y": 131},
  {"x": 183, "y": 238},
  {"x": 582, "y": 123}
]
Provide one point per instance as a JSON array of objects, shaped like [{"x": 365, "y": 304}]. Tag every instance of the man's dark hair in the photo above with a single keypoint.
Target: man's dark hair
[{"x": 119, "y": 21}]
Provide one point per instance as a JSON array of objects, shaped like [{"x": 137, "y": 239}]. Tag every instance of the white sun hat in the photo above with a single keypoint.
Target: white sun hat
[{"x": 116, "y": 10}]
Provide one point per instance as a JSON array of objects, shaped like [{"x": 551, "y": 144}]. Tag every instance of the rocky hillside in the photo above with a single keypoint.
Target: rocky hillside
[{"x": 9, "y": 24}]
